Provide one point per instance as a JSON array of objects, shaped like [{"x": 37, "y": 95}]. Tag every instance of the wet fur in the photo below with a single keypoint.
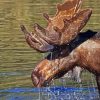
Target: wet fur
[{"x": 68, "y": 56}]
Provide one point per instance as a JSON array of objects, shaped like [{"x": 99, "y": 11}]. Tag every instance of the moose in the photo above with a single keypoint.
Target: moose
[{"x": 68, "y": 46}]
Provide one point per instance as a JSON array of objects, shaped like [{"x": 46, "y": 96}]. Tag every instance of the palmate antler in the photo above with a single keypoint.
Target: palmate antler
[
  {"x": 66, "y": 24},
  {"x": 62, "y": 28},
  {"x": 36, "y": 42}
]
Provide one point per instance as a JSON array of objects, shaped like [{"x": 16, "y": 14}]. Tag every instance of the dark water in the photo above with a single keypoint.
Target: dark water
[{"x": 50, "y": 93}]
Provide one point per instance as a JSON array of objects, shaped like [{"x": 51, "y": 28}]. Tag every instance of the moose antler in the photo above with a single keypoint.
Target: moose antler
[
  {"x": 61, "y": 29},
  {"x": 66, "y": 24},
  {"x": 36, "y": 42}
]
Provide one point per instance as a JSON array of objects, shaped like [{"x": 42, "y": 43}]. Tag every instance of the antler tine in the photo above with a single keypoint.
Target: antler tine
[
  {"x": 46, "y": 16},
  {"x": 35, "y": 38},
  {"x": 59, "y": 7},
  {"x": 39, "y": 29},
  {"x": 35, "y": 41},
  {"x": 38, "y": 43},
  {"x": 43, "y": 47},
  {"x": 28, "y": 34},
  {"x": 79, "y": 3},
  {"x": 43, "y": 33},
  {"x": 24, "y": 30},
  {"x": 51, "y": 39}
]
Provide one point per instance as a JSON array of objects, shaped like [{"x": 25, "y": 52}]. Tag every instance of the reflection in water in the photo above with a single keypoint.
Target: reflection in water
[{"x": 17, "y": 59}]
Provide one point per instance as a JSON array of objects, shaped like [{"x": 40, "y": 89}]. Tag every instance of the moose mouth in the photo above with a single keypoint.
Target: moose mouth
[{"x": 39, "y": 81}]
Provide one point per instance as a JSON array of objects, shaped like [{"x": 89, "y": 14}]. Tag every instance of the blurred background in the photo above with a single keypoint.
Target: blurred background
[{"x": 17, "y": 59}]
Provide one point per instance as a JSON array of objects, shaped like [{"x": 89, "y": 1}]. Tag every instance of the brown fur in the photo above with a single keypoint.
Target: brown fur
[
  {"x": 63, "y": 29},
  {"x": 86, "y": 55}
]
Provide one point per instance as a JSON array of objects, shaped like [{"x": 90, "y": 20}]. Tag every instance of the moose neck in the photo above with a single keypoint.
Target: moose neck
[
  {"x": 82, "y": 37},
  {"x": 65, "y": 50}
]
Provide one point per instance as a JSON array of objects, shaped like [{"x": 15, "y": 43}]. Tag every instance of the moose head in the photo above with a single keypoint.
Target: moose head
[{"x": 57, "y": 38}]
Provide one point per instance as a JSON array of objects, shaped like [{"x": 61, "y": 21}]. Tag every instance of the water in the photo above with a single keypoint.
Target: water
[
  {"x": 17, "y": 59},
  {"x": 55, "y": 93}
]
